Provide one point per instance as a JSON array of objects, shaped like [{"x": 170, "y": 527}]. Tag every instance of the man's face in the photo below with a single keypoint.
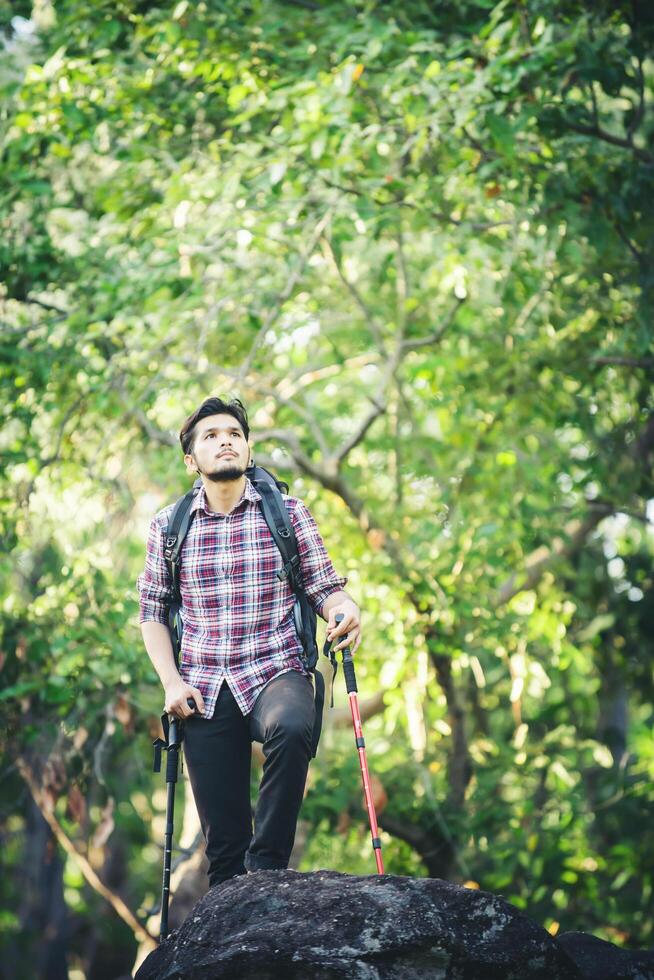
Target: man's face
[{"x": 220, "y": 451}]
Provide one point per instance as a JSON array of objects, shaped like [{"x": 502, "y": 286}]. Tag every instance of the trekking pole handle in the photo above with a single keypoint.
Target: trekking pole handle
[
  {"x": 191, "y": 703},
  {"x": 173, "y": 750},
  {"x": 348, "y": 666},
  {"x": 174, "y": 738}
]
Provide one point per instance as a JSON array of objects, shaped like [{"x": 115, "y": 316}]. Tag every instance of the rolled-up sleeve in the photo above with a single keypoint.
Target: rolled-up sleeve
[
  {"x": 318, "y": 573},
  {"x": 153, "y": 584}
]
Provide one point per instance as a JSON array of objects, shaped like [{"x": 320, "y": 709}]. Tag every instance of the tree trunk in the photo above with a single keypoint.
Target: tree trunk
[{"x": 42, "y": 914}]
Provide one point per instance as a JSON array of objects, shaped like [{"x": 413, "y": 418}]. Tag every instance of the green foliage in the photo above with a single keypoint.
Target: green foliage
[{"x": 416, "y": 239}]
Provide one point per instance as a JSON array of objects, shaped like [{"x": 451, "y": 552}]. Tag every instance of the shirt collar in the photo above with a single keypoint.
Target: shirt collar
[{"x": 249, "y": 495}]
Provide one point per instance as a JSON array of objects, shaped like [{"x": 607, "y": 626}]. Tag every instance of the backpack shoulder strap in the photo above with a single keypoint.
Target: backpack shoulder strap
[
  {"x": 178, "y": 525},
  {"x": 276, "y": 517},
  {"x": 257, "y": 474}
]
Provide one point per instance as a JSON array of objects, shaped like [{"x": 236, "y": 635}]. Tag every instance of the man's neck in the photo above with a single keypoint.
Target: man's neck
[{"x": 223, "y": 497}]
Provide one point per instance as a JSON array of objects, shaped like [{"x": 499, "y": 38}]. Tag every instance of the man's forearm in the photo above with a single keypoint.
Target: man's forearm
[{"x": 157, "y": 641}]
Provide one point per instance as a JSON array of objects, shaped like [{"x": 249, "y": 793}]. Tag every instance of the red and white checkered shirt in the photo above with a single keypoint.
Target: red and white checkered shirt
[{"x": 237, "y": 614}]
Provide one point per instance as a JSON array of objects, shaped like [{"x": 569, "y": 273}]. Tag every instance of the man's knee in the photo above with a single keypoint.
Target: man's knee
[{"x": 289, "y": 728}]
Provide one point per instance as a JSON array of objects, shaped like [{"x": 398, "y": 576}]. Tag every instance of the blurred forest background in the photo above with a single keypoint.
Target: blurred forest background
[{"x": 417, "y": 239}]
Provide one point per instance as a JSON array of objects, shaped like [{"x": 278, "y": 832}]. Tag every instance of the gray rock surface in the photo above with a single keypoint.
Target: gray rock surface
[
  {"x": 599, "y": 960},
  {"x": 282, "y": 925}
]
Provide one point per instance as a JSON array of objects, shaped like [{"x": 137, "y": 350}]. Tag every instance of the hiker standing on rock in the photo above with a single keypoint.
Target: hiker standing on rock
[{"x": 242, "y": 662}]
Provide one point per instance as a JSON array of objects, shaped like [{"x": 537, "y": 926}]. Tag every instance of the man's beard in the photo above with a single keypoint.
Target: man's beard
[{"x": 228, "y": 474}]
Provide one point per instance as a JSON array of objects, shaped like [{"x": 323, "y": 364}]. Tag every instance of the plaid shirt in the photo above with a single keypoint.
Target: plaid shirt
[{"x": 237, "y": 614}]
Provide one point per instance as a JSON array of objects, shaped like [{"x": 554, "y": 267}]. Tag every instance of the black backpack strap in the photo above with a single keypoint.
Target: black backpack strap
[
  {"x": 178, "y": 525},
  {"x": 279, "y": 523},
  {"x": 276, "y": 517},
  {"x": 256, "y": 474}
]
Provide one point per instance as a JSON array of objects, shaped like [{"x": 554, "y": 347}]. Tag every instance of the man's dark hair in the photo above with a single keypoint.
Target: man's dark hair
[{"x": 213, "y": 406}]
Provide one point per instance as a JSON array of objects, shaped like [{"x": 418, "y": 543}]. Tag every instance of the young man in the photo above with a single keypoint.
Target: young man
[{"x": 240, "y": 658}]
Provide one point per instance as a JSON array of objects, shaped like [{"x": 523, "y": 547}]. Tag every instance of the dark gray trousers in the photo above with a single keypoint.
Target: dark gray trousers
[{"x": 218, "y": 753}]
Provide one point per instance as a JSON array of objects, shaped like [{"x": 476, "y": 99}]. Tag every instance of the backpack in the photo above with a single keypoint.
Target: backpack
[{"x": 276, "y": 517}]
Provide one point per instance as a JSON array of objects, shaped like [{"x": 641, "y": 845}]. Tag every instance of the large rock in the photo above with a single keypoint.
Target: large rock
[
  {"x": 599, "y": 960},
  {"x": 281, "y": 925}
]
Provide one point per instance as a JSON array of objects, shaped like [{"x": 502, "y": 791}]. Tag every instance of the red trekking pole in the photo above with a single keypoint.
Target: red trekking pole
[{"x": 352, "y": 693}]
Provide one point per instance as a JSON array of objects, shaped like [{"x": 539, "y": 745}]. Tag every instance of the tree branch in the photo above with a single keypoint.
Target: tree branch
[
  {"x": 157, "y": 435},
  {"x": 608, "y": 508},
  {"x": 378, "y": 408},
  {"x": 370, "y": 320},
  {"x": 302, "y": 411},
  {"x": 635, "y": 251},
  {"x": 116, "y": 902},
  {"x": 625, "y": 143},
  {"x": 402, "y": 203},
  {"x": 402, "y": 282},
  {"x": 577, "y": 531},
  {"x": 540, "y": 560},
  {"x": 306, "y": 4},
  {"x": 47, "y": 306},
  {"x": 460, "y": 766},
  {"x": 291, "y": 283},
  {"x": 325, "y": 475},
  {"x": 640, "y": 111},
  {"x": 636, "y": 362},
  {"x": 72, "y": 408},
  {"x": 437, "y": 335}
]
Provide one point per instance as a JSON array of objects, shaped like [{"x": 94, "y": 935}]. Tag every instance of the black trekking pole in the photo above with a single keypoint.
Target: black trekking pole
[
  {"x": 352, "y": 692},
  {"x": 174, "y": 736}
]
